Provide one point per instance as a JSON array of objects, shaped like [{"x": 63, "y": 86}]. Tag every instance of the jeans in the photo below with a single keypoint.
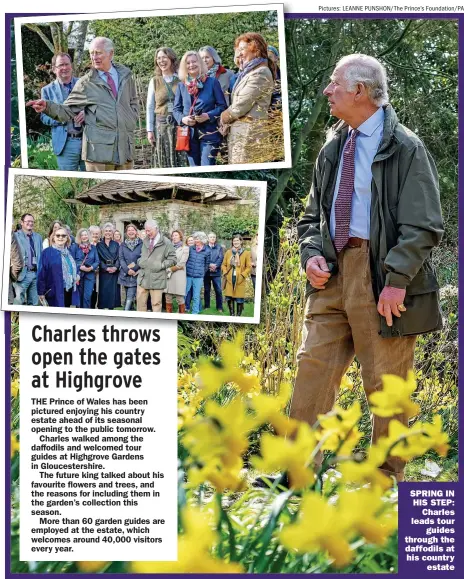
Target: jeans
[
  {"x": 86, "y": 286},
  {"x": 70, "y": 157},
  {"x": 216, "y": 281},
  {"x": 202, "y": 153},
  {"x": 196, "y": 283},
  {"x": 26, "y": 290}
]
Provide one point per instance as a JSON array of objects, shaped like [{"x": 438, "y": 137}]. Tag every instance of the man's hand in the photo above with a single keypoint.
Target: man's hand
[
  {"x": 39, "y": 106},
  {"x": 391, "y": 302},
  {"x": 151, "y": 137},
  {"x": 317, "y": 272},
  {"x": 79, "y": 119}
]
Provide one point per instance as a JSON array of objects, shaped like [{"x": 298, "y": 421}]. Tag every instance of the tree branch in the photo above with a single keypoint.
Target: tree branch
[{"x": 42, "y": 35}]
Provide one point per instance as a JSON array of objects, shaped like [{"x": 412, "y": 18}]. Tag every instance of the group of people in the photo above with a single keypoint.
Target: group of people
[
  {"x": 101, "y": 268},
  {"x": 93, "y": 118}
]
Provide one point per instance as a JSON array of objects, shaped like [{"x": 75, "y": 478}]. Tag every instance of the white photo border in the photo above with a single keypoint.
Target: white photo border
[
  {"x": 279, "y": 8},
  {"x": 123, "y": 176}
]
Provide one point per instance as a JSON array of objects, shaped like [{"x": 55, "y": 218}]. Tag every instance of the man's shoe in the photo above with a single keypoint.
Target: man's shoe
[{"x": 269, "y": 480}]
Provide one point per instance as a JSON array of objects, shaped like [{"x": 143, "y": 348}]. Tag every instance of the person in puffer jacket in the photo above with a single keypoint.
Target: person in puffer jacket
[{"x": 197, "y": 265}]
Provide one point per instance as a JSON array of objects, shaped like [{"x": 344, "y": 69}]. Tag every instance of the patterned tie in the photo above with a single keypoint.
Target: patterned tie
[
  {"x": 345, "y": 194},
  {"x": 111, "y": 84}
]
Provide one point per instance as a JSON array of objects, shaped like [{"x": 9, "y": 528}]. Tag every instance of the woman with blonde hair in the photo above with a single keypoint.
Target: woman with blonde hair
[
  {"x": 58, "y": 277},
  {"x": 198, "y": 104},
  {"x": 177, "y": 275},
  {"x": 161, "y": 125},
  {"x": 236, "y": 267},
  {"x": 244, "y": 121}
]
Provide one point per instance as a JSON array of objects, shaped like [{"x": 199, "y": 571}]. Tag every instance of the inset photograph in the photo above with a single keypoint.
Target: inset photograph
[
  {"x": 134, "y": 246},
  {"x": 161, "y": 91}
]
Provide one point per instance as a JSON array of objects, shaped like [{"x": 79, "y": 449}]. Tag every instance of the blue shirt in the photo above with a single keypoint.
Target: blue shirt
[
  {"x": 114, "y": 76},
  {"x": 367, "y": 145}
]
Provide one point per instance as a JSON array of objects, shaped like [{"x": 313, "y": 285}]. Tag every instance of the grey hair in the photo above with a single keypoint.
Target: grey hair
[
  {"x": 212, "y": 233},
  {"x": 94, "y": 228},
  {"x": 108, "y": 45},
  {"x": 360, "y": 68},
  {"x": 201, "y": 235},
  {"x": 152, "y": 223},
  {"x": 212, "y": 52},
  {"x": 108, "y": 225}
]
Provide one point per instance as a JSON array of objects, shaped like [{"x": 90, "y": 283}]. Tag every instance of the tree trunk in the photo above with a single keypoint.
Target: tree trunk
[{"x": 80, "y": 36}]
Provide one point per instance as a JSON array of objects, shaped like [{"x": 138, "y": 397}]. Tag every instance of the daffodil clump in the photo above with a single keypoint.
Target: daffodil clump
[{"x": 361, "y": 509}]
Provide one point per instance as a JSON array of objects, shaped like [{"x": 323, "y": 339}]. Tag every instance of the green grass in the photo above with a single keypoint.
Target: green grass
[{"x": 248, "y": 310}]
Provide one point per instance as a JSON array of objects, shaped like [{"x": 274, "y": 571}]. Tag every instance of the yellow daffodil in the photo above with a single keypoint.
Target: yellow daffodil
[
  {"x": 361, "y": 513},
  {"x": 14, "y": 445},
  {"x": 14, "y": 388},
  {"x": 318, "y": 528},
  {"x": 337, "y": 424},
  {"x": 407, "y": 443},
  {"x": 270, "y": 409},
  {"x": 395, "y": 398},
  {"x": 91, "y": 566},
  {"x": 194, "y": 549},
  {"x": 221, "y": 477},
  {"x": 367, "y": 471},
  {"x": 291, "y": 456}
]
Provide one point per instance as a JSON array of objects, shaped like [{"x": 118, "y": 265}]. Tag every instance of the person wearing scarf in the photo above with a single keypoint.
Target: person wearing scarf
[
  {"x": 198, "y": 104},
  {"x": 87, "y": 262},
  {"x": 130, "y": 251},
  {"x": 213, "y": 62},
  {"x": 177, "y": 275},
  {"x": 236, "y": 267},
  {"x": 58, "y": 277},
  {"x": 247, "y": 116},
  {"x": 109, "y": 295}
]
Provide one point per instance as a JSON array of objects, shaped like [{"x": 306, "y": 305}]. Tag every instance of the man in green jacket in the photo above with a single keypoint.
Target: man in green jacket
[
  {"x": 158, "y": 254},
  {"x": 372, "y": 219},
  {"x": 108, "y": 97}
]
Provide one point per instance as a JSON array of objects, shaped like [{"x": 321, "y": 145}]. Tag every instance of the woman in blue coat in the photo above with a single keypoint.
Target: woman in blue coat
[
  {"x": 58, "y": 276},
  {"x": 197, "y": 265},
  {"x": 130, "y": 251},
  {"x": 109, "y": 293},
  {"x": 87, "y": 262},
  {"x": 198, "y": 104}
]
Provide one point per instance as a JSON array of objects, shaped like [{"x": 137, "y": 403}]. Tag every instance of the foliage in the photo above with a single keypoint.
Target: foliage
[
  {"x": 51, "y": 198},
  {"x": 137, "y": 48},
  {"x": 228, "y": 224},
  {"x": 421, "y": 61}
]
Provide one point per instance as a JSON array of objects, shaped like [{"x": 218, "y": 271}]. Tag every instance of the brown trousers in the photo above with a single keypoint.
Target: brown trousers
[
  {"x": 142, "y": 299},
  {"x": 341, "y": 321},
  {"x": 98, "y": 167}
]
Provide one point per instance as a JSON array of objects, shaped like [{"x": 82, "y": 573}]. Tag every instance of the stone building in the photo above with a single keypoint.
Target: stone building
[{"x": 185, "y": 206}]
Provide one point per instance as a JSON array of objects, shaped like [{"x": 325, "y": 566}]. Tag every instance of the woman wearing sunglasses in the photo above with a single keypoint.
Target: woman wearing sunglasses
[{"x": 58, "y": 278}]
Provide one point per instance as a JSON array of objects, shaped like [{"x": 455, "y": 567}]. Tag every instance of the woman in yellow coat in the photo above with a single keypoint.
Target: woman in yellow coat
[{"x": 236, "y": 267}]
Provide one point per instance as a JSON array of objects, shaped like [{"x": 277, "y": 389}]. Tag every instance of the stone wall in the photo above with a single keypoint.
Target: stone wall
[{"x": 170, "y": 214}]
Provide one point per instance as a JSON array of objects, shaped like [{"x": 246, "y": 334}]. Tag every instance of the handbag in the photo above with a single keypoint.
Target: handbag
[
  {"x": 183, "y": 139},
  {"x": 183, "y": 133}
]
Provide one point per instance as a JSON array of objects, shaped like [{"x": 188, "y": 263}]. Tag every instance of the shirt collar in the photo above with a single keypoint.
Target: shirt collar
[
  {"x": 369, "y": 126},
  {"x": 112, "y": 71}
]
